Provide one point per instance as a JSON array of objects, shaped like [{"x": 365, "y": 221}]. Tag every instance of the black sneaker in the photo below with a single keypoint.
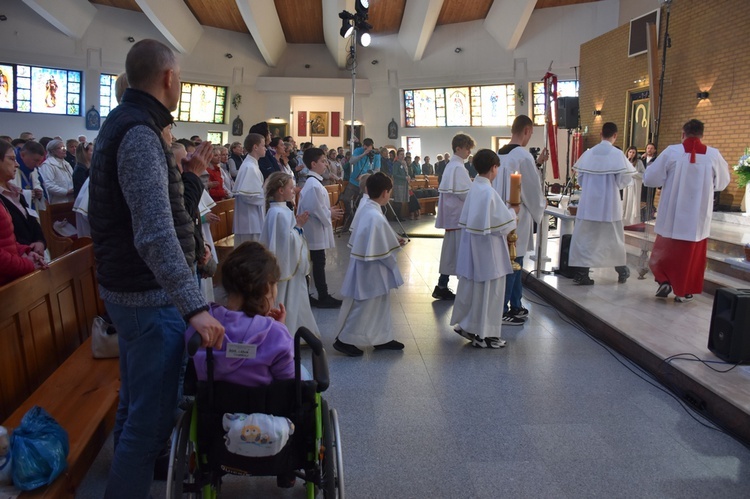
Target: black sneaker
[
  {"x": 584, "y": 280},
  {"x": 520, "y": 313},
  {"x": 391, "y": 345},
  {"x": 488, "y": 342},
  {"x": 347, "y": 349},
  {"x": 443, "y": 294},
  {"x": 464, "y": 334},
  {"x": 622, "y": 277},
  {"x": 664, "y": 289},
  {"x": 509, "y": 320},
  {"x": 683, "y": 299},
  {"x": 328, "y": 302}
]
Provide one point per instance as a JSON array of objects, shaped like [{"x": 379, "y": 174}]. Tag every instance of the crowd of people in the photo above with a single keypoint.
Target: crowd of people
[{"x": 144, "y": 198}]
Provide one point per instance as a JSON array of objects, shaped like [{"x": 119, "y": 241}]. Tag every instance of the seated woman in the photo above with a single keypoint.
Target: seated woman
[
  {"x": 16, "y": 259},
  {"x": 250, "y": 275}
]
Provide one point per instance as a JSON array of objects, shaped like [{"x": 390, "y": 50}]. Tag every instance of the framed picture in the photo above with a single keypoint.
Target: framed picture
[
  {"x": 638, "y": 125},
  {"x": 318, "y": 123},
  {"x": 279, "y": 129},
  {"x": 359, "y": 136}
]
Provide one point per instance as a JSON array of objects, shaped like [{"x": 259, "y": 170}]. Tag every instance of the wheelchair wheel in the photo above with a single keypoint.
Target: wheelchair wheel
[
  {"x": 333, "y": 469},
  {"x": 181, "y": 455}
]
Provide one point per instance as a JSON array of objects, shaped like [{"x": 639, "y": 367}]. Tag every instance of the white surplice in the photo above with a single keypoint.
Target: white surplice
[
  {"x": 288, "y": 244},
  {"x": 365, "y": 317},
  {"x": 533, "y": 201},
  {"x": 314, "y": 199},
  {"x": 598, "y": 237},
  {"x": 454, "y": 187},
  {"x": 81, "y": 209},
  {"x": 204, "y": 207},
  {"x": 687, "y": 195},
  {"x": 355, "y": 220},
  {"x": 631, "y": 197},
  {"x": 250, "y": 202},
  {"x": 483, "y": 261}
]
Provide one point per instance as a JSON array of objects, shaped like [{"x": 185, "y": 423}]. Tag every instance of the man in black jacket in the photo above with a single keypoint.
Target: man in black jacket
[{"x": 145, "y": 251}]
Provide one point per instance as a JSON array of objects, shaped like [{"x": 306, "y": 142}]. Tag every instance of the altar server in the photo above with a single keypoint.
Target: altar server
[
  {"x": 483, "y": 257},
  {"x": 454, "y": 186},
  {"x": 365, "y": 317},
  {"x": 250, "y": 204},
  {"x": 514, "y": 157},
  {"x": 688, "y": 174},
  {"x": 599, "y": 237},
  {"x": 284, "y": 237}
]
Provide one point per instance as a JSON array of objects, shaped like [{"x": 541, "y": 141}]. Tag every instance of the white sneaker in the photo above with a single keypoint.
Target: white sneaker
[
  {"x": 487, "y": 342},
  {"x": 465, "y": 334}
]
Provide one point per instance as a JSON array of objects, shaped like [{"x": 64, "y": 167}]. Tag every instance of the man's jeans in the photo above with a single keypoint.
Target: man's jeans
[
  {"x": 513, "y": 289},
  {"x": 151, "y": 352}
]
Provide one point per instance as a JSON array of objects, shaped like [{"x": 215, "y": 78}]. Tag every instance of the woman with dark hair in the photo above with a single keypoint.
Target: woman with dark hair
[
  {"x": 84, "y": 151},
  {"x": 16, "y": 259},
  {"x": 631, "y": 194}
]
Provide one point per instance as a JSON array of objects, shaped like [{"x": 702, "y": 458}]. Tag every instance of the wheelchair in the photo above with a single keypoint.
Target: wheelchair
[{"x": 199, "y": 457}]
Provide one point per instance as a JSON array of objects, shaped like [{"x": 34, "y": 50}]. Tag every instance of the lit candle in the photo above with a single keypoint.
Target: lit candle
[{"x": 515, "y": 188}]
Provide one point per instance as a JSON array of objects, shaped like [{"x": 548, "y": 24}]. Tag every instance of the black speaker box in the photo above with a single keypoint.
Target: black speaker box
[
  {"x": 729, "y": 336},
  {"x": 564, "y": 269},
  {"x": 567, "y": 112}
]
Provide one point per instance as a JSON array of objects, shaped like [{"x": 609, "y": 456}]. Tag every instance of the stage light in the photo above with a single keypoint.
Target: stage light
[
  {"x": 346, "y": 29},
  {"x": 362, "y": 6},
  {"x": 365, "y": 39}
]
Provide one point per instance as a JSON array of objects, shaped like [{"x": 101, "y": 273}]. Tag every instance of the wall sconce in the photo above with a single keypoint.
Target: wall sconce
[
  {"x": 702, "y": 95},
  {"x": 597, "y": 112}
]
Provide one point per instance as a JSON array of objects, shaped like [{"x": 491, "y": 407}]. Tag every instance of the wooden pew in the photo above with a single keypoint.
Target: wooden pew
[
  {"x": 222, "y": 233},
  {"x": 56, "y": 244},
  {"x": 46, "y": 360}
]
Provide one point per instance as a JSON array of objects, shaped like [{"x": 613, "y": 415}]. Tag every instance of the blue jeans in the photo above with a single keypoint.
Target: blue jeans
[
  {"x": 513, "y": 288},
  {"x": 151, "y": 352}
]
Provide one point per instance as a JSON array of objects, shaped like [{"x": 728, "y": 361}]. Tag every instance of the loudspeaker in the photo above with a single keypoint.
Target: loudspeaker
[
  {"x": 567, "y": 112},
  {"x": 729, "y": 336},
  {"x": 565, "y": 270}
]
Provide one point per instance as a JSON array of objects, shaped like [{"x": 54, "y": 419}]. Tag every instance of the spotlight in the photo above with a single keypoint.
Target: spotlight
[
  {"x": 365, "y": 39},
  {"x": 702, "y": 95},
  {"x": 346, "y": 28},
  {"x": 362, "y": 6}
]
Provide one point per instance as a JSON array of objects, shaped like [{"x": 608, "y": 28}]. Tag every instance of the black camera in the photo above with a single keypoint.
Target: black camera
[
  {"x": 371, "y": 154},
  {"x": 535, "y": 152}
]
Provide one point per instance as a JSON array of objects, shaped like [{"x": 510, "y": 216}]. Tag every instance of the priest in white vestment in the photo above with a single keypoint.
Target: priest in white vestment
[
  {"x": 250, "y": 202},
  {"x": 688, "y": 173},
  {"x": 284, "y": 237},
  {"x": 365, "y": 316},
  {"x": 599, "y": 237},
  {"x": 483, "y": 258},
  {"x": 514, "y": 157},
  {"x": 454, "y": 186}
]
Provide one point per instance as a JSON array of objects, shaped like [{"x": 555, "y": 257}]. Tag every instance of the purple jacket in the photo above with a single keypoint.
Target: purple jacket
[{"x": 274, "y": 359}]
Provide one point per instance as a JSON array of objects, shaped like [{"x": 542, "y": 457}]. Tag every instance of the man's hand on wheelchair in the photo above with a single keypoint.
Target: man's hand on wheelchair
[{"x": 211, "y": 330}]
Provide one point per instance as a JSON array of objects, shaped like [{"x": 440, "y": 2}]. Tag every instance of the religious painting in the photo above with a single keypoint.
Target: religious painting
[
  {"x": 638, "y": 124},
  {"x": 7, "y": 80},
  {"x": 318, "y": 123},
  {"x": 278, "y": 129},
  {"x": 358, "y": 136},
  {"x": 458, "y": 107}
]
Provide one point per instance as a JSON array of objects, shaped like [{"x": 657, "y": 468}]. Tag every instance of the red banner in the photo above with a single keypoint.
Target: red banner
[
  {"x": 550, "y": 95},
  {"x": 335, "y": 123},
  {"x": 302, "y": 123}
]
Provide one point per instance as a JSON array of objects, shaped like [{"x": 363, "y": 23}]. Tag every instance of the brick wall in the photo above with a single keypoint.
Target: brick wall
[{"x": 710, "y": 52}]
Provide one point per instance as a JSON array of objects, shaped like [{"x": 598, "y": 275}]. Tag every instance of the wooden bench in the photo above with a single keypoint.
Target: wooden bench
[
  {"x": 57, "y": 244},
  {"x": 222, "y": 233},
  {"x": 46, "y": 360}
]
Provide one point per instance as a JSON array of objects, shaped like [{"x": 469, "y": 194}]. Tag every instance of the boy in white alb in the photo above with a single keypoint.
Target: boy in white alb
[
  {"x": 454, "y": 186},
  {"x": 365, "y": 317},
  {"x": 483, "y": 258},
  {"x": 250, "y": 204},
  {"x": 313, "y": 198}
]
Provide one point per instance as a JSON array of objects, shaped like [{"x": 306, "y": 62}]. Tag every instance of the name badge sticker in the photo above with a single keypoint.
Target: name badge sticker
[{"x": 241, "y": 351}]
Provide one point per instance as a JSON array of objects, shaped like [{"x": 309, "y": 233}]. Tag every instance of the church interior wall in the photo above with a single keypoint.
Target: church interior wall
[{"x": 708, "y": 53}]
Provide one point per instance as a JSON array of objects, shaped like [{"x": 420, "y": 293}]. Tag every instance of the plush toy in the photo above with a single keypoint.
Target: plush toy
[{"x": 6, "y": 465}]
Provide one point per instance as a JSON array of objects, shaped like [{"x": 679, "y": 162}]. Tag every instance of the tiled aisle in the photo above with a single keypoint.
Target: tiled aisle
[{"x": 552, "y": 415}]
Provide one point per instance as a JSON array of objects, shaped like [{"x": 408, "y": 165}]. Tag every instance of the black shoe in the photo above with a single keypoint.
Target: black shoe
[
  {"x": 347, "y": 349},
  {"x": 391, "y": 345},
  {"x": 328, "y": 302},
  {"x": 520, "y": 313},
  {"x": 584, "y": 280},
  {"x": 664, "y": 289},
  {"x": 443, "y": 293},
  {"x": 683, "y": 299},
  {"x": 313, "y": 301},
  {"x": 509, "y": 320},
  {"x": 623, "y": 275}
]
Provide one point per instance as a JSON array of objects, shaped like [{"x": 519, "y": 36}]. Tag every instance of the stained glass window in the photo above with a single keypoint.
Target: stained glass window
[
  {"x": 567, "y": 88},
  {"x": 107, "y": 96},
  {"x": 40, "y": 90},
  {"x": 490, "y": 105},
  {"x": 201, "y": 103}
]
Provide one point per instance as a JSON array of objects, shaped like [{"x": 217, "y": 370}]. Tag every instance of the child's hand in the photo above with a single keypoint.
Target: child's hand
[
  {"x": 278, "y": 314},
  {"x": 302, "y": 218},
  {"x": 337, "y": 213}
]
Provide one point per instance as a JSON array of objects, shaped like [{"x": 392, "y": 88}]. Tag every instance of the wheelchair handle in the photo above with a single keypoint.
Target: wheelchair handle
[
  {"x": 194, "y": 343},
  {"x": 310, "y": 338}
]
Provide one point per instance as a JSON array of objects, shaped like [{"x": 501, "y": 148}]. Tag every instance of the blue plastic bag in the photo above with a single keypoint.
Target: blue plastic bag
[{"x": 40, "y": 449}]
